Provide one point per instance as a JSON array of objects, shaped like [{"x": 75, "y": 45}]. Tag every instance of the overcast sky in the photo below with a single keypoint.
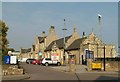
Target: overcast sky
[{"x": 28, "y": 19}]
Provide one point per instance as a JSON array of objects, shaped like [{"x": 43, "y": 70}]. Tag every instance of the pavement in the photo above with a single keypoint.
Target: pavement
[
  {"x": 81, "y": 69},
  {"x": 16, "y": 77},
  {"x": 13, "y": 77}
]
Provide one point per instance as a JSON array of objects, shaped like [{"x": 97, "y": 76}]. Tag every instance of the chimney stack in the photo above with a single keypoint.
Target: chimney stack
[
  {"x": 52, "y": 29},
  {"x": 83, "y": 34},
  {"x": 43, "y": 34}
]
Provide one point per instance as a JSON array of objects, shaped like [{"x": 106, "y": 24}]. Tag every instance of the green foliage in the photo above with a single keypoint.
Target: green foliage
[
  {"x": 3, "y": 40},
  {"x": 3, "y": 37}
]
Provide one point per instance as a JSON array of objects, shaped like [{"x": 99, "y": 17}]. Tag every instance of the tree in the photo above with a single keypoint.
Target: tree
[{"x": 3, "y": 37}]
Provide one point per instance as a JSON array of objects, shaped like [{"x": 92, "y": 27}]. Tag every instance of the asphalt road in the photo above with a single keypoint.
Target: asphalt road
[{"x": 38, "y": 72}]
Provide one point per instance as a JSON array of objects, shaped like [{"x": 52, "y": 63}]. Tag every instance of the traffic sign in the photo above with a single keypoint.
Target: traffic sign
[
  {"x": 40, "y": 53},
  {"x": 7, "y": 59}
]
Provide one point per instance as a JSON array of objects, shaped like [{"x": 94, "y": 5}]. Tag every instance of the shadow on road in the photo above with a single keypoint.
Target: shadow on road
[{"x": 107, "y": 79}]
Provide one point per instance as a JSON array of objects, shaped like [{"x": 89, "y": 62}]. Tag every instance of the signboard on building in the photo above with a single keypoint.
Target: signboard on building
[{"x": 55, "y": 57}]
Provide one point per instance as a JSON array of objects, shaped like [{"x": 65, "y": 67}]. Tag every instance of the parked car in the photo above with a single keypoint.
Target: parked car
[
  {"x": 118, "y": 56},
  {"x": 30, "y": 60},
  {"x": 37, "y": 61},
  {"x": 48, "y": 61}
]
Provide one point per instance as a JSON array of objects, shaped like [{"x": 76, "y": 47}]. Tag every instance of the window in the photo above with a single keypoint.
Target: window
[{"x": 48, "y": 59}]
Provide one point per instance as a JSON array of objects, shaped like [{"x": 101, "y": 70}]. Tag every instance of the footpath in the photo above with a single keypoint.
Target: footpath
[
  {"x": 15, "y": 77},
  {"x": 81, "y": 69}
]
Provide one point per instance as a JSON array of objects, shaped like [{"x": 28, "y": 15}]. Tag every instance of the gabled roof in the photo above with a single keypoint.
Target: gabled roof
[
  {"x": 25, "y": 50},
  {"x": 76, "y": 44},
  {"x": 58, "y": 42}
]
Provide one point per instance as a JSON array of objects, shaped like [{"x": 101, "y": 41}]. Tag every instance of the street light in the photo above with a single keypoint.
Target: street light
[
  {"x": 104, "y": 57},
  {"x": 64, "y": 43},
  {"x": 99, "y": 25}
]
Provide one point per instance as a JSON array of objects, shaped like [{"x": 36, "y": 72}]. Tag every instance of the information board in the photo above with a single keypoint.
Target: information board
[
  {"x": 96, "y": 66},
  {"x": 13, "y": 60}
]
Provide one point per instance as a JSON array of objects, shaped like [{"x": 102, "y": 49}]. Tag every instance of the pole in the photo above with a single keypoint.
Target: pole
[
  {"x": 104, "y": 58},
  {"x": 97, "y": 50},
  {"x": 99, "y": 25},
  {"x": 99, "y": 29},
  {"x": 64, "y": 46}
]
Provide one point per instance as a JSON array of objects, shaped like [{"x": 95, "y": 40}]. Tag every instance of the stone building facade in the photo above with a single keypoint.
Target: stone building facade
[
  {"x": 42, "y": 42},
  {"x": 92, "y": 43},
  {"x": 76, "y": 45},
  {"x": 25, "y": 53}
]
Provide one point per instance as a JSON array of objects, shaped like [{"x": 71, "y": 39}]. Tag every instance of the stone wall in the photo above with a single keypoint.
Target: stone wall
[
  {"x": 11, "y": 70},
  {"x": 111, "y": 65}
]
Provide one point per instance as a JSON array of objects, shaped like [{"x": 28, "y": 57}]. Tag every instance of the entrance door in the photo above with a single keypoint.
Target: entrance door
[{"x": 82, "y": 60}]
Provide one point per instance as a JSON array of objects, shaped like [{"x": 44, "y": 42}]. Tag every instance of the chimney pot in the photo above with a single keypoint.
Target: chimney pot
[
  {"x": 83, "y": 34},
  {"x": 43, "y": 34}
]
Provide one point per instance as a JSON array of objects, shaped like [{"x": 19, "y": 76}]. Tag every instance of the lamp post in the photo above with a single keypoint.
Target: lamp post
[
  {"x": 104, "y": 57},
  {"x": 64, "y": 44},
  {"x": 99, "y": 25}
]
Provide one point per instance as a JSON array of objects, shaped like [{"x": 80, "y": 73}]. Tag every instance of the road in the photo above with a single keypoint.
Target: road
[{"x": 38, "y": 72}]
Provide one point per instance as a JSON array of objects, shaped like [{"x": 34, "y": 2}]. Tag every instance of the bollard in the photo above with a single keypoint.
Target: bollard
[
  {"x": 72, "y": 67},
  {"x": 89, "y": 64}
]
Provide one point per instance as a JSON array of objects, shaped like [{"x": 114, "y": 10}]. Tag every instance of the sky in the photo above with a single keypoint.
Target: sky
[
  {"x": 60, "y": 0},
  {"x": 28, "y": 19}
]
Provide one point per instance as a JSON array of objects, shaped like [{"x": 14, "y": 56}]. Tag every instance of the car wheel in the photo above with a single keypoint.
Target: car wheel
[
  {"x": 46, "y": 64},
  {"x": 58, "y": 64}
]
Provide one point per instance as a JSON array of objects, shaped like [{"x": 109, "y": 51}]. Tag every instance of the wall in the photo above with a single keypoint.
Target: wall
[
  {"x": 11, "y": 70},
  {"x": 77, "y": 55},
  {"x": 111, "y": 65}
]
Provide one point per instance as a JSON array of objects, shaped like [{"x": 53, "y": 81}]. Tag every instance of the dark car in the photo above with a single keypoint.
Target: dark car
[{"x": 30, "y": 60}]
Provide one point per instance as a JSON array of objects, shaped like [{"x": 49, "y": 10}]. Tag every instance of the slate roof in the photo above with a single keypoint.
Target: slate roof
[
  {"x": 59, "y": 43},
  {"x": 25, "y": 50},
  {"x": 76, "y": 44}
]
